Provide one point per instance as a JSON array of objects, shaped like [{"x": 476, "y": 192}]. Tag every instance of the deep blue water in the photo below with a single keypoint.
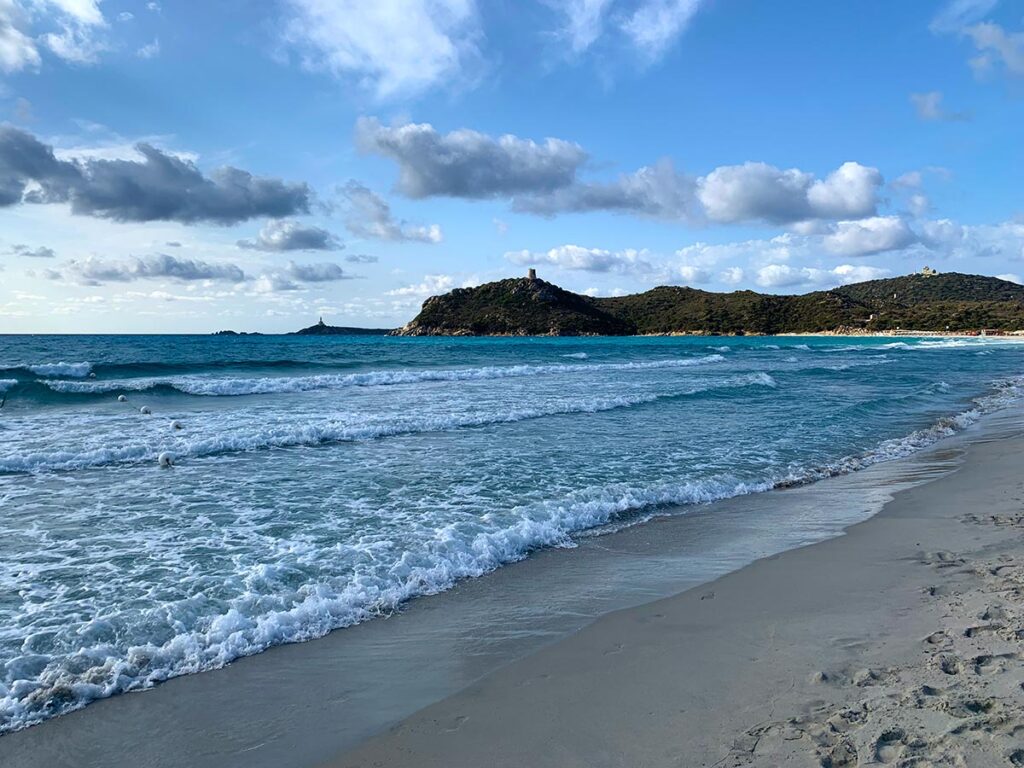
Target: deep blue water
[{"x": 318, "y": 482}]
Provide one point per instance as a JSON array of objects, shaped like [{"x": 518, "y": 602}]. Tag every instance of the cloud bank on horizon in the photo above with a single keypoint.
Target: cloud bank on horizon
[{"x": 428, "y": 144}]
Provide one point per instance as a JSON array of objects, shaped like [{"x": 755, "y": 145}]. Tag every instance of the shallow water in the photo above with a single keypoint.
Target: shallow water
[{"x": 321, "y": 482}]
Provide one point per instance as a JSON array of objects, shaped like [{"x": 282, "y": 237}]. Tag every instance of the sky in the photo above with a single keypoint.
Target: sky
[{"x": 176, "y": 166}]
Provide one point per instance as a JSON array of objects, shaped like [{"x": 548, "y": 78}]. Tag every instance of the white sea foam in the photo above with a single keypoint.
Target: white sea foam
[
  {"x": 76, "y": 370},
  {"x": 6, "y": 384},
  {"x": 577, "y": 355},
  {"x": 346, "y": 428},
  {"x": 41, "y": 685},
  {"x": 216, "y": 386}
]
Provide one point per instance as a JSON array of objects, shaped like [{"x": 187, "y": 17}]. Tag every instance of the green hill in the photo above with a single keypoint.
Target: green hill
[{"x": 533, "y": 307}]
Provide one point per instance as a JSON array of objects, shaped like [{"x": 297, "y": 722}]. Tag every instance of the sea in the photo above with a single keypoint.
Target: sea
[{"x": 169, "y": 504}]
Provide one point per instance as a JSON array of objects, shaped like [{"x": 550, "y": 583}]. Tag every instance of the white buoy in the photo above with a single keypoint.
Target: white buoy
[
  {"x": 145, "y": 410},
  {"x": 122, "y": 398},
  {"x": 166, "y": 460},
  {"x": 176, "y": 424}
]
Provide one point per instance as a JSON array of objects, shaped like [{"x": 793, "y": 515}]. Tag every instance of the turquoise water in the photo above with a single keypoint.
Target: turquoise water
[{"x": 319, "y": 482}]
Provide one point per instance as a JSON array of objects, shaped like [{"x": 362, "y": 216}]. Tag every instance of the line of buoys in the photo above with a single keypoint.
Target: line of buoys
[{"x": 165, "y": 460}]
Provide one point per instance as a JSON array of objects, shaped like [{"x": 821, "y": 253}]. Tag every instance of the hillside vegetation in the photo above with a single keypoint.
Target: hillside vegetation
[{"x": 533, "y": 307}]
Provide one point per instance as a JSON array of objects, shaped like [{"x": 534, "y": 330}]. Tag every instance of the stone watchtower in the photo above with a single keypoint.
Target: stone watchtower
[{"x": 531, "y": 274}]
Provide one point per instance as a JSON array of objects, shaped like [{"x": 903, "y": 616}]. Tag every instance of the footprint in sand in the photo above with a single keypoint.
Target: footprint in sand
[{"x": 890, "y": 745}]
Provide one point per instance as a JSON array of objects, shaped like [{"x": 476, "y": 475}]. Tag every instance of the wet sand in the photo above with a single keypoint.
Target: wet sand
[{"x": 841, "y": 647}]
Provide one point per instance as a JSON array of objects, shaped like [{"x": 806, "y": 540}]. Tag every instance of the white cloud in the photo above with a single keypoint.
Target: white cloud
[
  {"x": 762, "y": 192},
  {"x": 694, "y": 275},
  {"x": 996, "y": 45},
  {"x": 1011, "y": 277},
  {"x": 578, "y": 258},
  {"x": 656, "y": 24},
  {"x": 391, "y": 48},
  {"x": 959, "y": 13},
  {"x": 868, "y": 236},
  {"x": 149, "y": 51},
  {"x": 79, "y": 21},
  {"x": 17, "y": 49},
  {"x": 929, "y": 107},
  {"x": 786, "y": 276},
  {"x": 368, "y": 215},
  {"x": 584, "y": 20},
  {"x": 431, "y": 286},
  {"x": 732, "y": 275},
  {"x": 290, "y": 235}
]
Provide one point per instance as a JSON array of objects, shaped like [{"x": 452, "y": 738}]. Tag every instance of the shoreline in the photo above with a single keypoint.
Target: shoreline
[
  {"x": 265, "y": 707},
  {"x": 899, "y": 641}
]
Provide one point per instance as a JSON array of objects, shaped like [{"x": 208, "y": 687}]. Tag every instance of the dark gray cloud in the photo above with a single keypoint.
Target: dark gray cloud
[
  {"x": 322, "y": 272},
  {"x": 95, "y": 271},
  {"x": 159, "y": 187},
  {"x": 290, "y": 235},
  {"x": 367, "y": 214},
  {"x": 361, "y": 258},
  {"x": 468, "y": 164},
  {"x": 39, "y": 252}
]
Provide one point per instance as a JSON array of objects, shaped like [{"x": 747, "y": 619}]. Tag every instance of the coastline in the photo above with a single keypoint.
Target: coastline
[
  {"x": 899, "y": 641},
  {"x": 300, "y": 704}
]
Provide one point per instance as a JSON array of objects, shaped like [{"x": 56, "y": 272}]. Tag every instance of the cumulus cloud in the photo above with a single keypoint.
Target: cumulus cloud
[
  {"x": 929, "y": 107},
  {"x": 74, "y": 32},
  {"x": 786, "y": 276},
  {"x": 762, "y": 192},
  {"x": 868, "y": 236},
  {"x": 361, "y": 258},
  {"x": 158, "y": 187},
  {"x": 578, "y": 258},
  {"x": 431, "y": 286},
  {"x": 658, "y": 191},
  {"x": 39, "y": 252},
  {"x": 322, "y": 272},
  {"x": 542, "y": 178},
  {"x": 389, "y": 48},
  {"x": 692, "y": 275},
  {"x": 96, "y": 271},
  {"x": 369, "y": 215},
  {"x": 732, "y": 275},
  {"x": 468, "y": 164},
  {"x": 290, "y": 235}
]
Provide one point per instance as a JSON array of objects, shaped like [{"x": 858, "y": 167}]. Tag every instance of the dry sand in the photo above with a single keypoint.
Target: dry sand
[{"x": 897, "y": 644}]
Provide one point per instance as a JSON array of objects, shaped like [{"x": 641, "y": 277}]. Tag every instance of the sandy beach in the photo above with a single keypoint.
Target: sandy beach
[
  {"x": 896, "y": 643},
  {"x": 899, "y": 643}
]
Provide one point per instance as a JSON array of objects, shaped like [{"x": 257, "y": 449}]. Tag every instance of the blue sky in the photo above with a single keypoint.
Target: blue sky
[{"x": 180, "y": 166}]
